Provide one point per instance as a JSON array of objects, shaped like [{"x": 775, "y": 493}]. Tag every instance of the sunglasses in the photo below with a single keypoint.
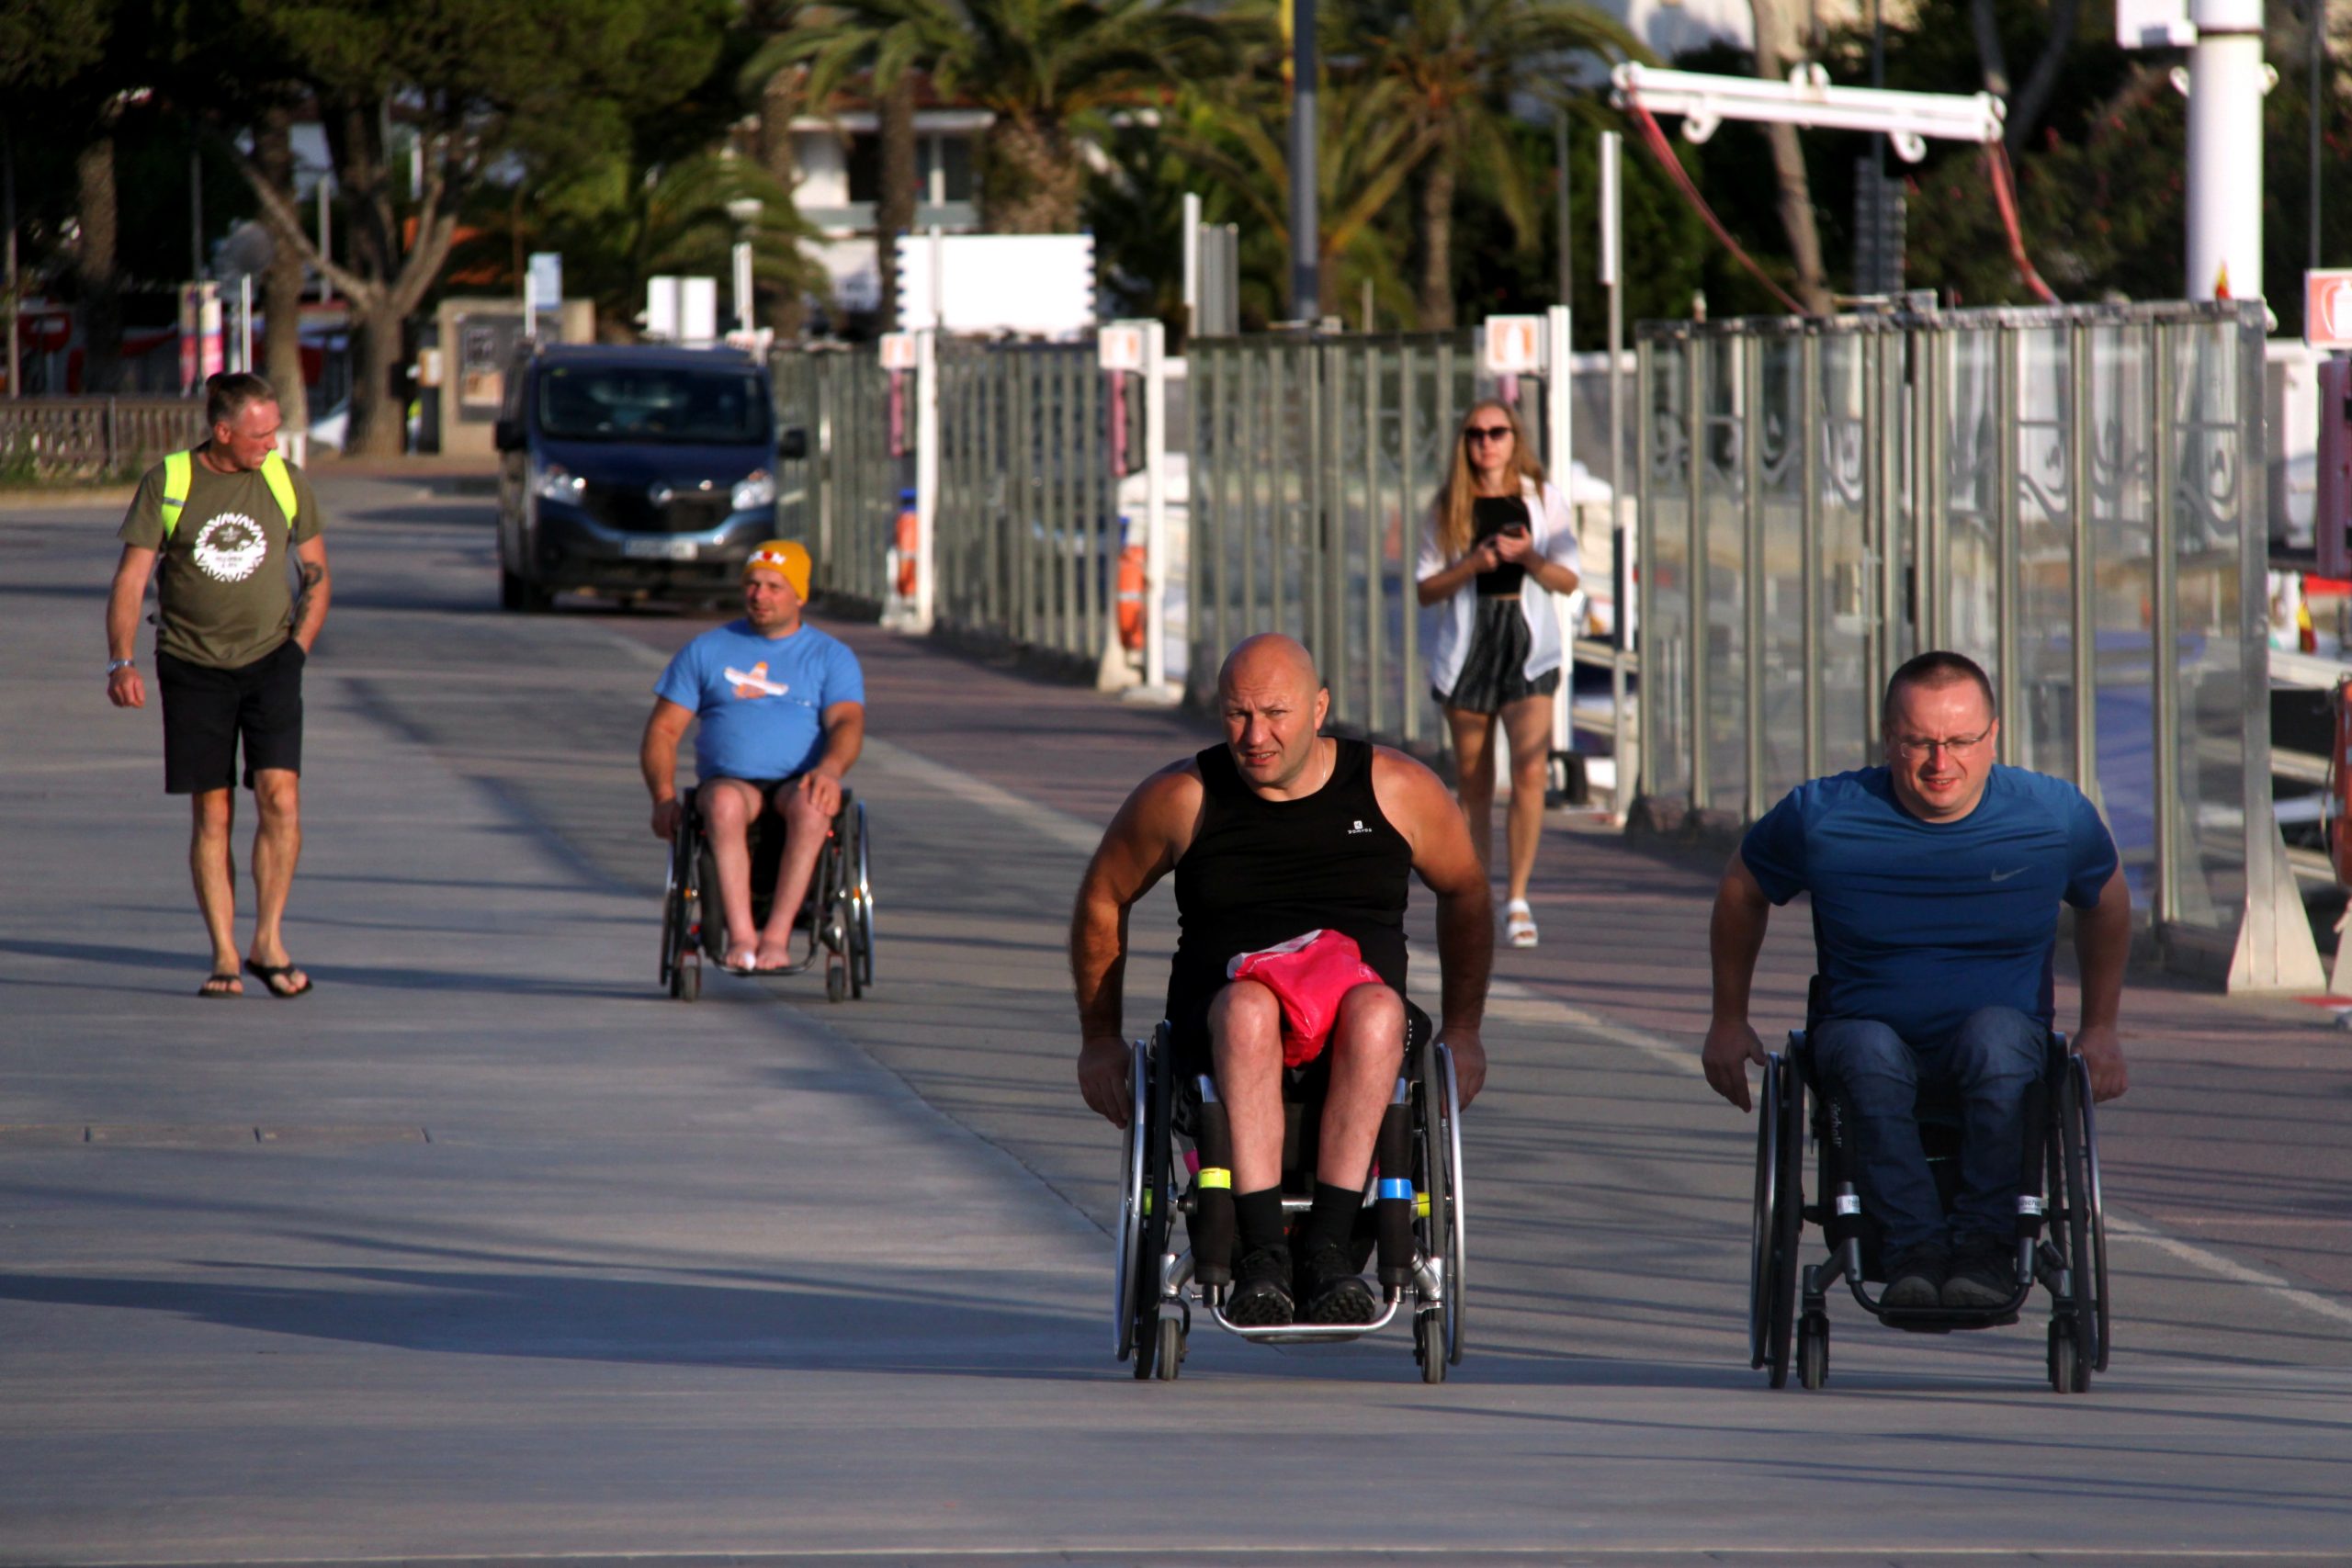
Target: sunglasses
[{"x": 1486, "y": 432}]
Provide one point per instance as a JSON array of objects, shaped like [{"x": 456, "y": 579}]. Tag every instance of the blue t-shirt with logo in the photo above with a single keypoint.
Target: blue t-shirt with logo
[
  {"x": 761, "y": 700},
  {"x": 1918, "y": 924}
]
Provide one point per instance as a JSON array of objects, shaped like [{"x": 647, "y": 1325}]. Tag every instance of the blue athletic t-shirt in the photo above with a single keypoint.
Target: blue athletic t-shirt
[
  {"x": 1918, "y": 924},
  {"x": 760, "y": 699}
]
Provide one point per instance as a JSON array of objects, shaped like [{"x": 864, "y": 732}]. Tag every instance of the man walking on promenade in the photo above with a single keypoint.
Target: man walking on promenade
[{"x": 231, "y": 636}]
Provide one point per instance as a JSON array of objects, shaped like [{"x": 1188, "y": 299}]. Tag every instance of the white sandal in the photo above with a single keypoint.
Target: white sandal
[{"x": 1518, "y": 924}]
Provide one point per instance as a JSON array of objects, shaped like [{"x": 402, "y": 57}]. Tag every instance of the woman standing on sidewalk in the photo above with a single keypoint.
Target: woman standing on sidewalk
[{"x": 1499, "y": 543}]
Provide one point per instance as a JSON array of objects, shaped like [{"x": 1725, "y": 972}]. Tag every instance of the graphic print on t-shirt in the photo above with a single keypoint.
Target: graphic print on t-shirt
[
  {"x": 230, "y": 547},
  {"x": 754, "y": 682}
]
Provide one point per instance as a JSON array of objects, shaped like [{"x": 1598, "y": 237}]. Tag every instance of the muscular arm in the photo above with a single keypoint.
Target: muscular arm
[
  {"x": 1734, "y": 936},
  {"x": 1420, "y": 807},
  {"x": 310, "y": 601},
  {"x": 657, "y": 758},
  {"x": 2102, "y": 947},
  {"x": 124, "y": 688},
  {"x": 1139, "y": 848}
]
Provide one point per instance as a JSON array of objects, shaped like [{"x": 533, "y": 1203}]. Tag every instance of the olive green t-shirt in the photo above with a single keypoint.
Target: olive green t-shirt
[{"x": 225, "y": 592}]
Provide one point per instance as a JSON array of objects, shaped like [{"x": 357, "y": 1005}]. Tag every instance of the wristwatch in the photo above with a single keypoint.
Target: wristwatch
[{"x": 114, "y": 664}]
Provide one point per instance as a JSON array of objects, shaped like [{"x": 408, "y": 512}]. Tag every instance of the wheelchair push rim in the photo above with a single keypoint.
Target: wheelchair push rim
[{"x": 1125, "y": 1285}]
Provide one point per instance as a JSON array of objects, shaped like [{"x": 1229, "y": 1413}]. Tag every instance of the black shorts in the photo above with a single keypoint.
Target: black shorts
[{"x": 207, "y": 711}]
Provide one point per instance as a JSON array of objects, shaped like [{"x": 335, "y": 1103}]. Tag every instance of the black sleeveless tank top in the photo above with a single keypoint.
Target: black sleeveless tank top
[{"x": 1260, "y": 872}]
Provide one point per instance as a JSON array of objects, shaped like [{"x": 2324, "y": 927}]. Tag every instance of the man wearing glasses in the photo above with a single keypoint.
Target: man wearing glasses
[{"x": 1935, "y": 880}]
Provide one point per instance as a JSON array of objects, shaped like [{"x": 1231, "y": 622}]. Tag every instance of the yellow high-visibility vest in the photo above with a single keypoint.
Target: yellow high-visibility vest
[{"x": 180, "y": 467}]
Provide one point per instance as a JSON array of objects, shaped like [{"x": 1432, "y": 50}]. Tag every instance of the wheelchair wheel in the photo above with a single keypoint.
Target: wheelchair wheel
[
  {"x": 2080, "y": 1322},
  {"x": 861, "y": 932},
  {"x": 1168, "y": 1357},
  {"x": 2069, "y": 1372},
  {"x": 1442, "y": 1229},
  {"x": 681, "y": 966},
  {"x": 1158, "y": 1200},
  {"x": 1777, "y": 1221},
  {"x": 1813, "y": 1350},
  {"x": 1127, "y": 1276},
  {"x": 2103, "y": 1339},
  {"x": 1428, "y": 1345}
]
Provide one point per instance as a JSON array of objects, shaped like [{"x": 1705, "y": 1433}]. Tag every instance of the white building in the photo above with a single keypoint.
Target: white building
[{"x": 840, "y": 164}]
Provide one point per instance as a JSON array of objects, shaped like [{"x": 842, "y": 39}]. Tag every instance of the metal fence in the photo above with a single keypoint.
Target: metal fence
[
  {"x": 52, "y": 438},
  {"x": 1313, "y": 464},
  {"x": 1026, "y": 535},
  {"x": 2072, "y": 497},
  {"x": 843, "y": 498}
]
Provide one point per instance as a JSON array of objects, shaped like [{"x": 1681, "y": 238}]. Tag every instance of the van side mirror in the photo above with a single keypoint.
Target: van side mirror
[
  {"x": 793, "y": 444},
  {"x": 508, "y": 435}
]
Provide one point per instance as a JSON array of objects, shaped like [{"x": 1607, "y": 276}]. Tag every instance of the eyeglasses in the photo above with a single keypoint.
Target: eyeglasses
[
  {"x": 1486, "y": 432},
  {"x": 1912, "y": 748}
]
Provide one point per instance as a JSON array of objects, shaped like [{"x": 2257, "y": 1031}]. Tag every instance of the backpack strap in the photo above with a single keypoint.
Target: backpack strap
[
  {"x": 280, "y": 480},
  {"x": 179, "y": 469}
]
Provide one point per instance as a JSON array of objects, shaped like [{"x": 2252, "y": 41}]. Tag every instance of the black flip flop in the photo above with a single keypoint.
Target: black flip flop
[
  {"x": 207, "y": 993},
  {"x": 269, "y": 973}
]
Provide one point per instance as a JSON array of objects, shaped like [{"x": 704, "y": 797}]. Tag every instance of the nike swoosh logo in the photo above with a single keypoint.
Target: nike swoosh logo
[{"x": 2004, "y": 876}]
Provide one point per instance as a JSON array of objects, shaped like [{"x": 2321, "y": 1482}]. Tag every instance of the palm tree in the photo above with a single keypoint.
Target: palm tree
[
  {"x": 891, "y": 41},
  {"x": 1458, "y": 63},
  {"x": 1048, "y": 70},
  {"x": 1367, "y": 146}
]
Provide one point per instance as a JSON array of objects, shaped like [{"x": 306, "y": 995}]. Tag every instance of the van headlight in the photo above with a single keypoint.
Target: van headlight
[
  {"x": 557, "y": 482},
  {"x": 754, "y": 490}
]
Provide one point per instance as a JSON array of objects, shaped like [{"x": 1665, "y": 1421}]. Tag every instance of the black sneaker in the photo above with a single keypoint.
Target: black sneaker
[
  {"x": 1262, "y": 1289},
  {"x": 1916, "y": 1279},
  {"x": 1984, "y": 1274},
  {"x": 1332, "y": 1289}
]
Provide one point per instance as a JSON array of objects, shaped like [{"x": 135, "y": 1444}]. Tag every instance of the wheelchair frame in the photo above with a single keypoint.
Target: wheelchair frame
[
  {"x": 2070, "y": 1261},
  {"x": 837, "y": 910},
  {"x": 1153, "y": 1282}
]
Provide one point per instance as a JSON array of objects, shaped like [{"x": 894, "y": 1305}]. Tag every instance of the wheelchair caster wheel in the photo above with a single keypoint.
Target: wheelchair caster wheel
[
  {"x": 836, "y": 982},
  {"x": 1168, "y": 1358},
  {"x": 1812, "y": 1350},
  {"x": 2069, "y": 1374},
  {"x": 686, "y": 982},
  {"x": 1429, "y": 1345}
]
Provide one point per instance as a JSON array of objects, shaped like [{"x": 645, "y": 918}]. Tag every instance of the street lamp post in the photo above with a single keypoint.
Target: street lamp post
[{"x": 745, "y": 210}]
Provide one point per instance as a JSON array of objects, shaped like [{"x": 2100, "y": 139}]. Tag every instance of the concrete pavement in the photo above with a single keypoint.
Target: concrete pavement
[{"x": 525, "y": 1261}]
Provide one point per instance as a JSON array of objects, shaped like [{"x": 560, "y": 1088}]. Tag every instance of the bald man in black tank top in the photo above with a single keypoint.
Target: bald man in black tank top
[{"x": 1278, "y": 831}]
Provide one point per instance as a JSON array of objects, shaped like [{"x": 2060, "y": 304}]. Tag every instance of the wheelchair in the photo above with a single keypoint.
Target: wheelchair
[
  {"x": 837, "y": 913},
  {"x": 2061, "y": 1160},
  {"x": 1412, "y": 1220}
]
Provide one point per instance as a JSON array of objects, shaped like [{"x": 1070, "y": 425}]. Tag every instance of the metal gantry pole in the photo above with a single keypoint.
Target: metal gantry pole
[
  {"x": 2165, "y": 596},
  {"x": 2085, "y": 609},
  {"x": 1811, "y": 599},
  {"x": 1696, "y": 628},
  {"x": 1409, "y": 512}
]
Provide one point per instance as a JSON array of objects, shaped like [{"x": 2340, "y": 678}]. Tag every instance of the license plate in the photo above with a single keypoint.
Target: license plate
[{"x": 659, "y": 549}]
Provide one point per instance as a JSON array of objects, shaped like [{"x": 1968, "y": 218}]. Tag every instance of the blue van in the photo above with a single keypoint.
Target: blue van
[{"x": 635, "y": 471}]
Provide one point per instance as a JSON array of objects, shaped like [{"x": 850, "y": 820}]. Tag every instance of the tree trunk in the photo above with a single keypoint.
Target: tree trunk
[
  {"x": 378, "y": 425},
  {"x": 894, "y": 214},
  {"x": 1032, "y": 182},
  {"x": 1776, "y": 48},
  {"x": 281, "y": 287},
  {"x": 785, "y": 312},
  {"x": 1437, "y": 181},
  {"x": 94, "y": 265}
]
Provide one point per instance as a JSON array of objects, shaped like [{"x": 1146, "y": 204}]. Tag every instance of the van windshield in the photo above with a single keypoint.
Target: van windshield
[{"x": 668, "y": 404}]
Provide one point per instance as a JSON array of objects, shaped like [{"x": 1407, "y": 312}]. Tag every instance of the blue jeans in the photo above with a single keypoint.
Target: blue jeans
[{"x": 1985, "y": 1069}]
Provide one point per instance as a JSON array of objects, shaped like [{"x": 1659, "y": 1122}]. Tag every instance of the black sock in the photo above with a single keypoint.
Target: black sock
[
  {"x": 1258, "y": 1218},
  {"x": 1332, "y": 1221}
]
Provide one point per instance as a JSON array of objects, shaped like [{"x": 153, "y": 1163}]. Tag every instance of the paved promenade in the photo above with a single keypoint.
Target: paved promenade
[{"x": 488, "y": 1252}]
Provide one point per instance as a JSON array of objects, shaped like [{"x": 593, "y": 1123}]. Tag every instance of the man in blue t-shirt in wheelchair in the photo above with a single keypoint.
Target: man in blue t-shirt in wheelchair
[
  {"x": 1935, "y": 881},
  {"x": 782, "y": 712}
]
